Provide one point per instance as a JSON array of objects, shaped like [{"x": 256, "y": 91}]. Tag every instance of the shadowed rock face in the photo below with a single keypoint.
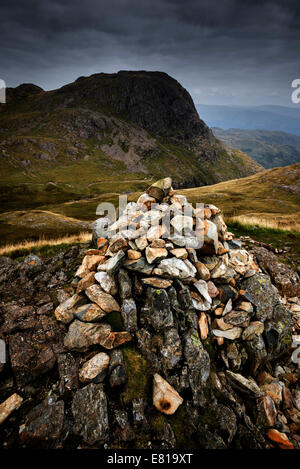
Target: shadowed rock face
[{"x": 153, "y": 100}]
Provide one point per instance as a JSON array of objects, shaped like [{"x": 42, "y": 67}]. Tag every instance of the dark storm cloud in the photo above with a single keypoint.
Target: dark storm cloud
[{"x": 222, "y": 51}]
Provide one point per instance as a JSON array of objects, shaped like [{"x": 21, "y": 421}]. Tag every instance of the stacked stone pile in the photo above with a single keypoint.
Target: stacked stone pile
[
  {"x": 169, "y": 336},
  {"x": 175, "y": 273}
]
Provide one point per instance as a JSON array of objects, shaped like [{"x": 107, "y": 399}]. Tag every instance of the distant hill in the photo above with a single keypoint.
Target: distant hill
[
  {"x": 106, "y": 133},
  {"x": 285, "y": 119},
  {"x": 268, "y": 148}
]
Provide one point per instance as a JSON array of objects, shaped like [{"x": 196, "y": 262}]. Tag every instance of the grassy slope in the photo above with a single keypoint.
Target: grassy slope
[{"x": 274, "y": 193}]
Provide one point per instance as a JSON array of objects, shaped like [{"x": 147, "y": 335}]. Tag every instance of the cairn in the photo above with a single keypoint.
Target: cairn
[{"x": 172, "y": 269}]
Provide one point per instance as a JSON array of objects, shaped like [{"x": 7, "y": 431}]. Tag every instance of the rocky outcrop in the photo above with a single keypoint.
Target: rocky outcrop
[{"x": 173, "y": 338}]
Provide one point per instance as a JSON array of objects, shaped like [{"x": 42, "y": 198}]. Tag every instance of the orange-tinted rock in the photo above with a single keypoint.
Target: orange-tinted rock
[
  {"x": 280, "y": 439},
  {"x": 203, "y": 326},
  {"x": 165, "y": 398},
  {"x": 86, "y": 281}
]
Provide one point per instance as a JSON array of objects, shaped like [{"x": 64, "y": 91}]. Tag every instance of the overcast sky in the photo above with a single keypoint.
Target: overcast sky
[{"x": 222, "y": 51}]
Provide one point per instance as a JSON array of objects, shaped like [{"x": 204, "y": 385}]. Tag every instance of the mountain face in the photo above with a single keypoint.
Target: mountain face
[
  {"x": 268, "y": 148},
  {"x": 79, "y": 140},
  {"x": 281, "y": 118}
]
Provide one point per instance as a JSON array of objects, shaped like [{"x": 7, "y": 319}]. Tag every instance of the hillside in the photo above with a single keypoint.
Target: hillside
[
  {"x": 281, "y": 118},
  {"x": 272, "y": 194},
  {"x": 268, "y": 148},
  {"x": 106, "y": 133}
]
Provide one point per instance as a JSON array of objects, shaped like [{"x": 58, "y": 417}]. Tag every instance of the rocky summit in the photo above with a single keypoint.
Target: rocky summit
[{"x": 166, "y": 333}]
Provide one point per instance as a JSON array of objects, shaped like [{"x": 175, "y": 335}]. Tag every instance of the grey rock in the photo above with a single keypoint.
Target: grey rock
[
  {"x": 89, "y": 408},
  {"x": 115, "y": 262},
  {"x": 264, "y": 294},
  {"x": 161, "y": 314},
  {"x": 125, "y": 284},
  {"x": 43, "y": 425},
  {"x": 129, "y": 314}
]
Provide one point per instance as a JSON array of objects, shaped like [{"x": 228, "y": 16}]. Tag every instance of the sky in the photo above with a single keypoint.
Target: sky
[{"x": 229, "y": 52}]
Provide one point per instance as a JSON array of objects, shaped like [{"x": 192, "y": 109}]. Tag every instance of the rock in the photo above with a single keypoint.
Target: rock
[
  {"x": 118, "y": 376},
  {"x": 182, "y": 223},
  {"x": 266, "y": 411},
  {"x": 85, "y": 282},
  {"x": 155, "y": 232},
  {"x": 280, "y": 439},
  {"x": 171, "y": 351},
  {"x": 89, "y": 264},
  {"x": 68, "y": 372},
  {"x": 100, "y": 229},
  {"x": 65, "y": 311},
  {"x": 210, "y": 245},
  {"x": 165, "y": 398},
  {"x": 203, "y": 271},
  {"x": 284, "y": 278},
  {"x": 213, "y": 291},
  {"x": 231, "y": 334},
  {"x": 94, "y": 370},
  {"x": 106, "y": 301},
  {"x": 117, "y": 243},
  {"x": 254, "y": 328},
  {"x": 161, "y": 314},
  {"x": 141, "y": 243},
  {"x": 133, "y": 255},
  {"x": 245, "y": 306},
  {"x": 236, "y": 318},
  {"x": 145, "y": 201},
  {"x": 157, "y": 282},
  {"x": 89, "y": 312},
  {"x": 107, "y": 282},
  {"x": 9, "y": 405},
  {"x": 219, "y": 323},
  {"x": 115, "y": 339},
  {"x": 202, "y": 288},
  {"x": 180, "y": 253},
  {"x": 274, "y": 390},
  {"x": 43, "y": 426},
  {"x": 82, "y": 335},
  {"x": 198, "y": 362},
  {"x": 175, "y": 268},
  {"x": 125, "y": 284},
  {"x": 160, "y": 189},
  {"x": 243, "y": 385},
  {"x": 264, "y": 294},
  {"x": 31, "y": 351},
  {"x": 115, "y": 263},
  {"x": 155, "y": 254},
  {"x": 138, "y": 414},
  {"x": 117, "y": 370},
  {"x": 203, "y": 326},
  {"x": 141, "y": 265},
  {"x": 129, "y": 314},
  {"x": 89, "y": 408}
]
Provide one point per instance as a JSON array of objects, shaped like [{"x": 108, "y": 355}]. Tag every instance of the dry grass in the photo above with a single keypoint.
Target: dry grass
[
  {"x": 83, "y": 237},
  {"x": 273, "y": 221}
]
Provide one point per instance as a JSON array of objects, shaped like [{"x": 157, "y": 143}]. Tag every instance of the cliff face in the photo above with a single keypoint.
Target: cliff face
[{"x": 152, "y": 100}]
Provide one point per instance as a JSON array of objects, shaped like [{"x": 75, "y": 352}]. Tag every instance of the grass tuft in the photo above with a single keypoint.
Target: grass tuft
[{"x": 42, "y": 245}]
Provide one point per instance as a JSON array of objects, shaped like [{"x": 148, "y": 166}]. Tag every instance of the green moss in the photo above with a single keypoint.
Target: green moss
[
  {"x": 137, "y": 371},
  {"x": 179, "y": 423},
  {"x": 157, "y": 423}
]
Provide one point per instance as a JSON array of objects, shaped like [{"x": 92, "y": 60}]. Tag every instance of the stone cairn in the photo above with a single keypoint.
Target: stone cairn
[{"x": 174, "y": 271}]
